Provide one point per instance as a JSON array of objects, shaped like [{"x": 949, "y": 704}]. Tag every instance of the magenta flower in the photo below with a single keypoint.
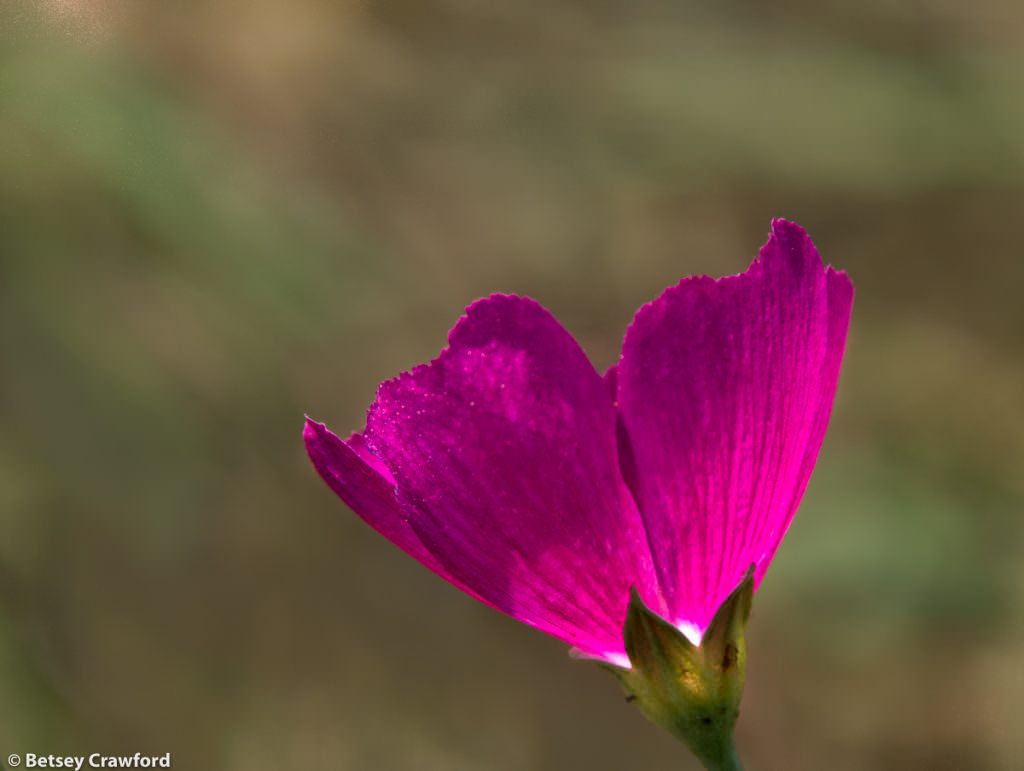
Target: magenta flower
[{"x": 512, "y": 469}]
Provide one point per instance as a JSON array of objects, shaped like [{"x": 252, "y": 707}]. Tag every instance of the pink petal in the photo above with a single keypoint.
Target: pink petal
[
  {"x": 363, "y": 482},
  {"x": 725, "y": 389},
  {"x": 357, "y": 443},
  {"x": 504, "y": 451}
]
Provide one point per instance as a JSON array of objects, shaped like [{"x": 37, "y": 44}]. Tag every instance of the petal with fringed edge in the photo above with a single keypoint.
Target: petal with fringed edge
[
  {"x": 365, "y": 484},
  {"x": 504, "y": 454},
  {"x": 724, "y": 389}
]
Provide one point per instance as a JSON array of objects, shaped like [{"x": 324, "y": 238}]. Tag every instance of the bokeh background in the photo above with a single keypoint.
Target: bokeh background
[{"x": 216, "y": 216}]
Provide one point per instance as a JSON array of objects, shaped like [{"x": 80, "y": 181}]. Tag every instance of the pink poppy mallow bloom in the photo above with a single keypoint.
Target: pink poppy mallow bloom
[{"x": 511, "y": 468}]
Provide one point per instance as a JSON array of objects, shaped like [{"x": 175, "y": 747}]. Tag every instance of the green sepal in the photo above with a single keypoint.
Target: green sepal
[{"x": 693, "y": 691}]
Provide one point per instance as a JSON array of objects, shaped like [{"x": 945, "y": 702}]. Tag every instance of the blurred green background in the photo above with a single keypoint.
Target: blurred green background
[{"x": 216, "y": 216}]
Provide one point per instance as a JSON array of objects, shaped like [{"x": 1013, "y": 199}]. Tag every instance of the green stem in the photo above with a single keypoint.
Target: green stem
[{"x": 723, "y": 758}]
